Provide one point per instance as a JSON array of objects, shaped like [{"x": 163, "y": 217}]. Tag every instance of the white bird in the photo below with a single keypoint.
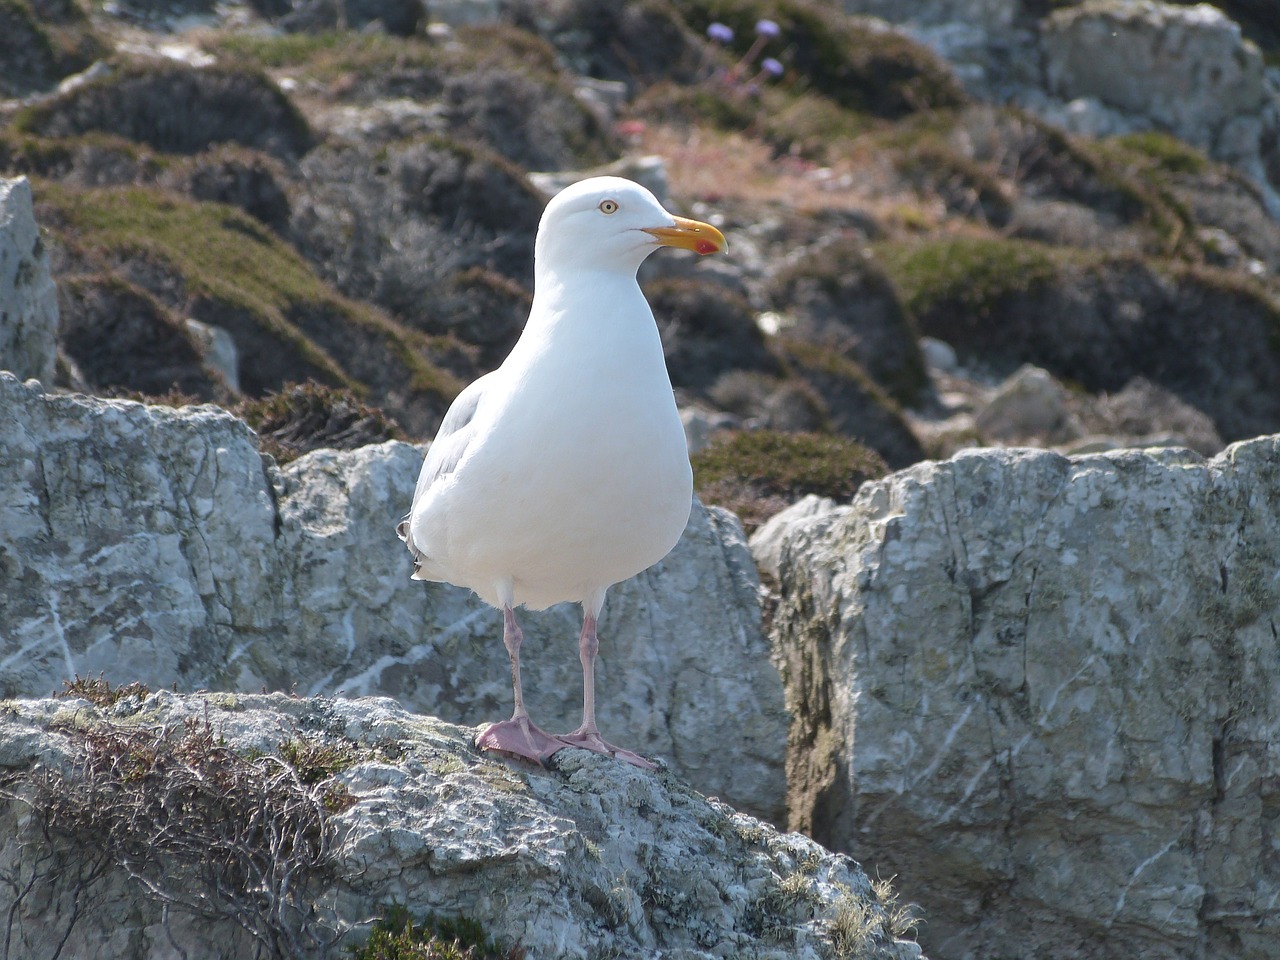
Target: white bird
[{"x": 565, "y": 470}]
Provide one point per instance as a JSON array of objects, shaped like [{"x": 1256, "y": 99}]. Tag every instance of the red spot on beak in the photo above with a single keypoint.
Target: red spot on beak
[{"x": 705, "y": 246}]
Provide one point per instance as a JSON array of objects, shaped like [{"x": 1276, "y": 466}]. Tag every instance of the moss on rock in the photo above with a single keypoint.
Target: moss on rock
[
  {"x": 42, "y": 43},
  {"x": 841, "y": 299},
  {"x": 218, "y": 265},
  {"x": 176, "y": 108},
  {"x": 756, "y": 473}
]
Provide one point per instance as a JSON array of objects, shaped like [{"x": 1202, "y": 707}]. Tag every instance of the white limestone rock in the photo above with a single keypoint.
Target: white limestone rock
[
  {"x": 28, "y": 299},
  {"x": 1043, "y": 692},
  {"x": 767, "y": 542},
  {"x": 159, "y": 545},
  {"x": 587, "y": 859},
  {"x": 1029, "y": 406}
]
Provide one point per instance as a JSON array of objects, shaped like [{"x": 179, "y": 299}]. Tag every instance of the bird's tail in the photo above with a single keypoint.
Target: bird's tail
[{"x": 402, "y": 531}]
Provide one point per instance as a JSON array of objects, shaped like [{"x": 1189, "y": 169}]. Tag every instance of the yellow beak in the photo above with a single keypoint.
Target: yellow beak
[{"x": 692, "y": 235}]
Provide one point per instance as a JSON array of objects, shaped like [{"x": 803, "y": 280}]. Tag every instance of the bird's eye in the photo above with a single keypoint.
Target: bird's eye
[{"x": 608, "y": 206}]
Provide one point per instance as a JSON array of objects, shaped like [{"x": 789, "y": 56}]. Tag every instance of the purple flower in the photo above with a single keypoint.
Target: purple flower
[
  {"x": 719, "y": 33},
  {"x": 767, "y": 29},
  {"x": 771, "y": 66}
]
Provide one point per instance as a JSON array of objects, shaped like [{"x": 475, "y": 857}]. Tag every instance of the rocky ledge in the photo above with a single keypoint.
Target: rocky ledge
[
  {"x": 159, "y": 545},
  {"x": 1043, "y": 691},
  {"x": 214, "y": 825}
]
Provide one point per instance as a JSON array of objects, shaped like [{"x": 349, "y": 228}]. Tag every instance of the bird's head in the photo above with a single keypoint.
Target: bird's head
[{"x": 611, "y": 223}]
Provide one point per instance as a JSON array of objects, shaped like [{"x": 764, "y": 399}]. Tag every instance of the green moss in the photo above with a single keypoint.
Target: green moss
[
  {"x": 336, "y": 50},
  {"x": 38, "y": 47},
  {"x": 398, "y": 937},
  {"x": 218, "y": 253},
  {"x": 973, "y": 273},
  {"x": 703, "y": 104},
  {"x": 1168, "y": 152},
  {"x": 758, "y": 472},
  {"x": 808, "y": 124},
  {"x": 315, "y": 761}
]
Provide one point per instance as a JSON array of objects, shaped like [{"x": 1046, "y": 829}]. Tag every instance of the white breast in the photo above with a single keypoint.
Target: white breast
[{"x": 578, "y": 475}]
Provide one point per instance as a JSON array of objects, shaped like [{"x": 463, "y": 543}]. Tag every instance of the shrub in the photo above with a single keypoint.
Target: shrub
[
  {"x": 757, "y": 473},
  {"x": 397, "y": 937},
  {"x": 305, "y": 417},
  {"x": 198, "y": 827},
  {"x": 879, "y": 72}
]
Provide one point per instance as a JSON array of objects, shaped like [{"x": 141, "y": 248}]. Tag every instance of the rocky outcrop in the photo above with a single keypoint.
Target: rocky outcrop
[
  {"x": 28, "y": 300},
  {"x": 375, "y": 806},
  {"x": 158, "y": 545},
  {"x": 1042, "y": 691},
  {"x": 1103, "y": 67},
  {"x": 1183, "y": 69}
]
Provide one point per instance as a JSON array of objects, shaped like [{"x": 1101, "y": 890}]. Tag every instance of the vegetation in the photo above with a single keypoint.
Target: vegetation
[
  {"x": 200, "y": 828},
  {"x": 99, "y": 691},
  {"x": 969, "y": 273},
  {"x": 141, "y": 101},
  {"x": 305, "y": 417},
  {"x": 880, "y": 73},
  {"x": 1168, "y": 153},
  {"x": 756, "y": 473},
  {"x": 397, "y": 937},
  {"x": 40, "y": 43},
  {"x": 216, "y": 263}
]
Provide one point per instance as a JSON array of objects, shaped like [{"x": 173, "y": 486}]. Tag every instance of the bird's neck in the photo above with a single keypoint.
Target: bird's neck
[{"x": 586, "y": 298}]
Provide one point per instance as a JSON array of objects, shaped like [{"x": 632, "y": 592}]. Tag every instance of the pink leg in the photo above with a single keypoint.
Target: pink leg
[
  {"x": 588, "y": 736},
  {"x": 519, "y": 736}
]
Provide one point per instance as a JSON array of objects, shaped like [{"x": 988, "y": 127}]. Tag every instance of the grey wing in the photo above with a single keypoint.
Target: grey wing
[{"x": 446, "y": 449}]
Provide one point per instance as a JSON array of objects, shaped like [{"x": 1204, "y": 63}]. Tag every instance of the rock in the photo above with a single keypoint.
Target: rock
[
  {"x": 1103, "y": 323},
  {"x": 984, "y": 41},
  {"x": 1183, "y": 69},
  {"x": 701, "y": 426},
  {"x": 458, "y": 13},
  {"x": 706, "y": 332},
  {"x": 839, "y": 298},
  {"x": 939, "y": 355},
  {"x": 219, "y": 351},
  {"x": 176, "y": 108},
  {"x": 158, "y": 545},
  {"x": 121, "y": 339},
  {"x": 589, "y": 858},
  {"x": 648, "y": 171},
  {"x": 1042, "y": 693},
  {"x": 1143, "y": 414},
  {"x": 1030, "y": 405},
  {"x": 766, "y": 542},
  {"x": 28, "y": 299}
]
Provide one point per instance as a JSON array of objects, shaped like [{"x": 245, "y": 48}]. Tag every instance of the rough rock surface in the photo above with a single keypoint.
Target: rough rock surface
[
  {"x": 1043, "y": 692},
  {"x": 28, "y": 300},
  {"x": 158, "y": 545},
  {"x": 588, "y": 859},
  {"x": 1186, "y": 70}
]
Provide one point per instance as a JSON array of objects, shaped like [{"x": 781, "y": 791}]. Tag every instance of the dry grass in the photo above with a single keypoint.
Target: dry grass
[{"x": 715, "y": 165}]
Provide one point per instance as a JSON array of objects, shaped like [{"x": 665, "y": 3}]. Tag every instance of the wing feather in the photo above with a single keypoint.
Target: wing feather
[{"x": 446, "y": 451}]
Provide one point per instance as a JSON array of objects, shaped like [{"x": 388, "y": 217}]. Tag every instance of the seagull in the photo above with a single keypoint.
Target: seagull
[{"x": 565, "y": 470}]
